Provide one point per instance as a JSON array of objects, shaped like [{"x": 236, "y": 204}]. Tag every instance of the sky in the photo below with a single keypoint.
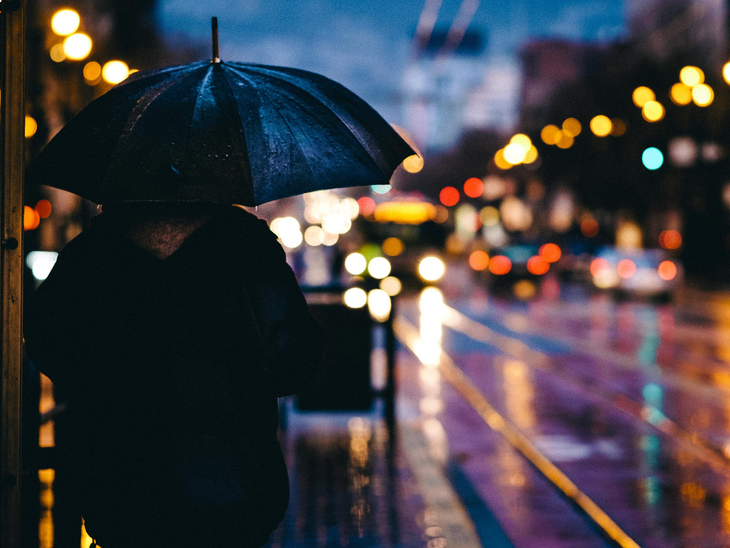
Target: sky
[{"x": 365, "y": 44}]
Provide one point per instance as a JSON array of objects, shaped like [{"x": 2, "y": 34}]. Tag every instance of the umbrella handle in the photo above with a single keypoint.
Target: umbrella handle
[{"x": 214, "y": 29}]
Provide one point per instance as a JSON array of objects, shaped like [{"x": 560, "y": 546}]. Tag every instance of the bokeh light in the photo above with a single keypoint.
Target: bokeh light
[
  {"x": 619, "y": 127},
  {"x": 514, "y": 153},
  {"x": 626, "y": 268},
  {"x": 413, "y": 163},
  {"x": 652, "y": 158},
  {"x": 115, "y": 71},
  {"x": 537, "y": 265},
  {"x": 572, "y": 127},
  {"x": 393, "y": 246},
  {"x": 550, "y": 134},
  {"x": 44, "y": 208},
  {"x": 77, "y": 46},
  {"x": 500, "y": 265},
  {"x": 65, "y": 22},
  {"x": 565, "y": 140},
  {"x": 356, "y": 263},
  {"x": 500, "y": 161},
  {"x": 702, "y": 95},
  {"x": 642, "y": 95},
  {"x": 431, "y": 268},
  {"x": 667, "y": 270},
  {"x": 31, "y": 127},
  {"x": 479, "y": 260},
  {"x": 367, "y": 205},
  {"x": 680, "y": 94},
  {"x": 31, "y": 218},
  {"x": 379, "y": 304},
  {"x": 473, "y": 187},
  {"x": 314, "y": 236},
  {"x": 355, "y": 297},
  {"x": 691, "y": 76},
  {"x": 601, "y": 125},
  {"x": 550, "y": 252},
  {"x": 449, "y": 196},
  {"x": 524, "y": 290},
  {"x": 598, "y": 266},
  {"x": 653, "y": 111},
  {"x": 391, "y": 285},
  {"x": 57, "y": 54},
  {"x": 670, "y": 239},
  {"x": 92, "y": 72},
  {"x": 726, "y": 72},
  {"x": 379, "y": 267}
]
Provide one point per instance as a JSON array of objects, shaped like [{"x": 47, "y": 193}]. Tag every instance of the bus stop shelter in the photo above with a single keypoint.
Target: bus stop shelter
[{"x": 12, "y": 120}]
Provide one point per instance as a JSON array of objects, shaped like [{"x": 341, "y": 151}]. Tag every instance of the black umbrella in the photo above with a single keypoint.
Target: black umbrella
[{"x": 221, "y": 132}]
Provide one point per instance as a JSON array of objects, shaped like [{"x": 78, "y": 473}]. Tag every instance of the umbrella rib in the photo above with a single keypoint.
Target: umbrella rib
[
  {"x": 264, "y": 98},
  {"x": 319, "y": 96}
]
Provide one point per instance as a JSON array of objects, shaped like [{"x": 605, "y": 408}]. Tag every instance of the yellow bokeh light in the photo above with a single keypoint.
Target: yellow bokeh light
[
  {"x": 356, "y": 263},
  {"x": 572, "y": 127},
  {"x": 702, "y": 95},
  {"x": 413, "y": 164},
  {"x": 565, "y": 140},
  {"x": 514, "y": 153},
  {"x": 726, "y": 72},
  {"x": 393, "y": 246},
  {"x": 501, "y": 161},
  {"x": 92, "y": 71},
  {"x": 31, "y": 126},
  {"x": 643, "y": 95},
  {"x": 601, "y": 125},
  {"x": 550, "y": 134},
  {"x": 391, "y": 285},
  {"x": 379, "y": 267},
  {"x": 77, "y": 46},
  {"x": 65, "y": 22},
  {"x": 522, "y": 141},
  {"x": 114, "y": 72},
  {"x": 680, "y": 94},
  {"x": 531, "y": 155},
  {"x": 57, "y": 54},
  {"x": 431, "y": 268},
  {"x": 653, "y": 111},
  {"x": 691, "y": 76}
]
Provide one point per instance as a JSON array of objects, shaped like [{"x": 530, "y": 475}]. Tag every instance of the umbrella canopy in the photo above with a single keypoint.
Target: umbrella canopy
[{"x": 220, "y": 132}]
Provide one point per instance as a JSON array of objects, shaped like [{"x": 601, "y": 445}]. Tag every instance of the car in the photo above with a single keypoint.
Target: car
[{"x": 650, "y": 273}]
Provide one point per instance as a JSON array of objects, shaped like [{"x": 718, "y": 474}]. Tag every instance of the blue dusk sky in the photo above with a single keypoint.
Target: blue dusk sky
[{"x": 365, "y": 44}]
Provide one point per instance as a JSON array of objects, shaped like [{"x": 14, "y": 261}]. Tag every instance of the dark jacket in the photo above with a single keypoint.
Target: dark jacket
[{"x": 171, "y": 370}]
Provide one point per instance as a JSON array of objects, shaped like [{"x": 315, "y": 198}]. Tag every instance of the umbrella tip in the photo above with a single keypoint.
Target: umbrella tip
[{"x": 214, "y": 28}]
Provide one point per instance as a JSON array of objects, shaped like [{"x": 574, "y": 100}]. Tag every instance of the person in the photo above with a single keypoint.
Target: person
[{"x": 172, "y": 329}]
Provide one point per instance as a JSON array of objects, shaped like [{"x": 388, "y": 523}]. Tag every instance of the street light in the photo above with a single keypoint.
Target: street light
[
  {"x": 77, "y": 46},
  {"x": 65, "y": 22},
  {"x": 115, "y": 71}
]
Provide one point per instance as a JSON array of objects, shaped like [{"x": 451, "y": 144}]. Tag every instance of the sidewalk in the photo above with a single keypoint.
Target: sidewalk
[{"x": 351, "y": 487}]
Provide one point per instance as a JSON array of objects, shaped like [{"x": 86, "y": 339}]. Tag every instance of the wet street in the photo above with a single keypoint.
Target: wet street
[{"x": 569, "y": 420}]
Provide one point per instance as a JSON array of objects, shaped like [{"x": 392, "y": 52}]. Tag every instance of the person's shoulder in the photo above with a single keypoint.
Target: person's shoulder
[{"x": 251, "y": 229}]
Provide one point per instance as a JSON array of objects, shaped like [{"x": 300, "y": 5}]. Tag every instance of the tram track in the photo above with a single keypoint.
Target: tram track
[
  {"x": 642, "y": 412},
  {"x": 411, "y": 338}
]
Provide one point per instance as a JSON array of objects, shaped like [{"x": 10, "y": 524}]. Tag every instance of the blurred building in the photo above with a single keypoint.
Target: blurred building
[
  {"x": 548, "y": 65},
  {"x": 451, "y": 85},
  {"x": 687, "y": 29}
]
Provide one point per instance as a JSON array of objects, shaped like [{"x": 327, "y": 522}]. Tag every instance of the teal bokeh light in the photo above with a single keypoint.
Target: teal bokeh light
[{"x": 652, "y": 158}]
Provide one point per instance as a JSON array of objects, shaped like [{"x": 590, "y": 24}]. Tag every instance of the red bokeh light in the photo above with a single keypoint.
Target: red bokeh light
[
  {"x": 479, "y": 260},
  {"x": 550, "y": 252},
  {"x": 626, "y": 268},
  {"x": 474, "y": 187},
  {"x": 670, "y": 239},
  {"x": 43, "y": 207},
  {"x": 599, "y": 265},
  {"x": 537, "y": 265},
  {"x": 449, "y": 196},
  {"x": 667, "y": 270},
  {"x": 367, "y": 205},
  {"x": 500, "y": 265}
]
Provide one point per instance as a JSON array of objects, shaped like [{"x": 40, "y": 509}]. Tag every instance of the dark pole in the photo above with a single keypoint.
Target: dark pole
[
  {"x": 12, "y": 143},
  {"x": 214, "y": 24}
]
